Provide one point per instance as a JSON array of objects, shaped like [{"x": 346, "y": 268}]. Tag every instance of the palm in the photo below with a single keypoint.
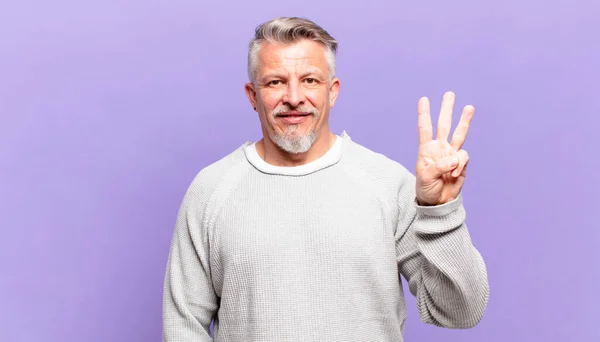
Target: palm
[{"x": 438, "y": 180}]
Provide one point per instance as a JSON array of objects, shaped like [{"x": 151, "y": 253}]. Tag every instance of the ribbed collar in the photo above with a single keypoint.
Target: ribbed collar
[{"x": 331, "y": 157}]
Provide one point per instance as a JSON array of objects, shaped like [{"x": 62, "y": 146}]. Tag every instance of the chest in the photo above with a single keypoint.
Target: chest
[{"x": 305, "y": 229}]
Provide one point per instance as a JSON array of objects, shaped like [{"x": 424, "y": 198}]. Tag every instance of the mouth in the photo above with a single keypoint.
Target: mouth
[{"x": 293, "y": 118}]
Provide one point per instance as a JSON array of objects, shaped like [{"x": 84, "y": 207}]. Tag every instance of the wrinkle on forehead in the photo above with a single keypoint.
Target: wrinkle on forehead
[{"x": 301, "y": 57}]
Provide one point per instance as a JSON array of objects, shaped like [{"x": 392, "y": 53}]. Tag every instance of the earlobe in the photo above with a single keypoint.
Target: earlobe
[{"x": 251, "y": 94}]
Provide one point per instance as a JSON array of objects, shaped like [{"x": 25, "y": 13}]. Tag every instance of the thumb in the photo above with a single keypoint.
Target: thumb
[{"x": 441, "y": 167}]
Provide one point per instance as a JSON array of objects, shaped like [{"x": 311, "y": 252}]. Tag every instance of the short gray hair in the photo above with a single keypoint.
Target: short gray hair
[{"x": 288, "y": 30}]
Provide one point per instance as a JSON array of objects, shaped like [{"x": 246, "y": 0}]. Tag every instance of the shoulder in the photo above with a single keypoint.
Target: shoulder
[
  {"x": 217, "y": 176},
  {"x": 379, "y": 175},
  {"x": 374, "y": 167}
]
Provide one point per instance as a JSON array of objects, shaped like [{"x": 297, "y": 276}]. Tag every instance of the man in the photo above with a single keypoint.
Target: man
[{"x": 302, "y": 235}]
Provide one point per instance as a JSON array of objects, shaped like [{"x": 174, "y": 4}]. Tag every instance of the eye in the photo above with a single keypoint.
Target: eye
[
  {"x": 310, "y": 81},
  {"x": 274, "y": 82}
]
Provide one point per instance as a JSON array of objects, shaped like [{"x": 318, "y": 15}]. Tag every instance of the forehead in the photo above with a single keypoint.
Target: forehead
[{"x": 304, "y": 53}]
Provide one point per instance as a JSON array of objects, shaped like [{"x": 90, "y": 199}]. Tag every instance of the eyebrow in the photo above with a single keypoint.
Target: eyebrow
[
  {"x": 271, "y": 75},
  {"x": 314, "y": 71}
]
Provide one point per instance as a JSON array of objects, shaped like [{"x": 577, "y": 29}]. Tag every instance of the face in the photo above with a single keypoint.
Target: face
[{"x": 293, "y": 93}]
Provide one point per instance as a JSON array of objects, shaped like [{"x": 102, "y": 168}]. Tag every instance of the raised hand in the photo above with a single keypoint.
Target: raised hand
[{"x": 441, "y": 165}]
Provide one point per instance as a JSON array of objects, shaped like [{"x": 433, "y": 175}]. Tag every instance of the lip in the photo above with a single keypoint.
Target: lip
[{"x": 293, "y": 118}]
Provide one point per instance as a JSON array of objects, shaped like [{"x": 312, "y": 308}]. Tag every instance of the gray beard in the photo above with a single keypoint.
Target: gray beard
[{"x": 294, "y": 143}]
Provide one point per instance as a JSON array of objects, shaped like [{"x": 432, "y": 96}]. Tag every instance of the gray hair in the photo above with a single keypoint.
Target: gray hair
[{"x": 288, "y": 30}]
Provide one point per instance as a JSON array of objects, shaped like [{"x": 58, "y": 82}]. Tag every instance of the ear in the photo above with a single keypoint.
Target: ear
[
  {"x": 251, "y": 93},
  {"x": 334, "y": 90}
]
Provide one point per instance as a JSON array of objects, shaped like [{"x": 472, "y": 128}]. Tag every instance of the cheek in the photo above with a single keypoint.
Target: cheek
[
  {"x": 268, "y": 102},
  {"x": 318, "y": 98},
  {"x": 270, "y": 99}
]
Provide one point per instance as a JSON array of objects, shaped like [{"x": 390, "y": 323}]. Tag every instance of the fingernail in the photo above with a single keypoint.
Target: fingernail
[{"x": 453, "y": 162}]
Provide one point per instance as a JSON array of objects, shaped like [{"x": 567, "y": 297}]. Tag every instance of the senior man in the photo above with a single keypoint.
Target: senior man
[{"x": 303, "y": 235}]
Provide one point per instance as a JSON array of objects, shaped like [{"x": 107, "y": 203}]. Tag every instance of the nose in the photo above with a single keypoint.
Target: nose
[{"x": 294, "y": 95}]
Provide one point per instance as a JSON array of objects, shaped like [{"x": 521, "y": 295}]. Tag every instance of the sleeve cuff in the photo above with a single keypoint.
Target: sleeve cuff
[{"x": 440, "y": 210}]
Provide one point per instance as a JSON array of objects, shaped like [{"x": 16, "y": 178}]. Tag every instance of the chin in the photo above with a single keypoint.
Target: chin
[{"x": 295, "y": 143}]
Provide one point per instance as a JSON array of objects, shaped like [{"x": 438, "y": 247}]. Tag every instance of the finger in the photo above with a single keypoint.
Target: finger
[
  {"x": 441, "y": 167},
  {"x": 445, "y": 118},
  {"x": 424, "y": 121},
  {"x": 460, "y": 133},
  {"x": 463, "y": 159}
]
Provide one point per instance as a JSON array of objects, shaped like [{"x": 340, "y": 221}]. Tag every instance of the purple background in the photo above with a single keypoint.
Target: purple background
[{"x": 109, "y": 108}]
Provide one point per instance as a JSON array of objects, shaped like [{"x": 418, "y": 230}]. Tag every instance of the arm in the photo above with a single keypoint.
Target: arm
[
  {"x": 434, "y": 250},
  {"x": 189, "y": 302},
  {"x": 445, "y": 272}
]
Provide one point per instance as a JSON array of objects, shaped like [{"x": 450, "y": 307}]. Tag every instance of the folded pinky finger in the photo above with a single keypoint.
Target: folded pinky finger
[
  {"x": 463, "y": 160},
  {"x": 462, "y": 172}
]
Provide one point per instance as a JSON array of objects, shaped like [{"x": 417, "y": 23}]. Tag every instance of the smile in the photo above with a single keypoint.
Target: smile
[{"x": 293, "y": 118}]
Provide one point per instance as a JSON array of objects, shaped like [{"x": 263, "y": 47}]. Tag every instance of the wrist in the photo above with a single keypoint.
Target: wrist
[{"x": 440, "y": 209}]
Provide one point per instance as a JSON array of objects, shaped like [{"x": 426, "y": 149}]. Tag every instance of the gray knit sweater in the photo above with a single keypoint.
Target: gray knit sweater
[{"x": 314, "y": 253}]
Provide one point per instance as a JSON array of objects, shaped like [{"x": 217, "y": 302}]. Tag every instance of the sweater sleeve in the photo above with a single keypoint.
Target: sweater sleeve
[
  {"x": 435, "y": 254},
  {"x": 189, "y": 300}
]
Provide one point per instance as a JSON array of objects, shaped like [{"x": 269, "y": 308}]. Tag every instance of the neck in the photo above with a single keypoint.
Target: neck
[{"x": 274, "y": 155}]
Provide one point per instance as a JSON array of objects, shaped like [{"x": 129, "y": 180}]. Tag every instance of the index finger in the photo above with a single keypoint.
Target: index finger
[{"x": 424, "y": 121}]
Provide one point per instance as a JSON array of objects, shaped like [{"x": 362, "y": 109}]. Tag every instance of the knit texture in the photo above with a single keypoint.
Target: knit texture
[{"x": 272, "y": 255}]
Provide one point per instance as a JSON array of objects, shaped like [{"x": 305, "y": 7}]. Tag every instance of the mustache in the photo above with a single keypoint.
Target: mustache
[{"x": 286, "y": 108}]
